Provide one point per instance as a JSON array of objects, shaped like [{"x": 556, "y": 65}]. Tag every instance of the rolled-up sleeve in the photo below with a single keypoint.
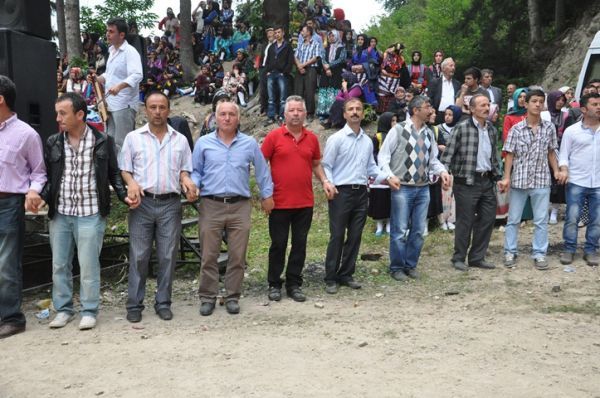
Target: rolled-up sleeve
[{"x": 134, "y": 68}]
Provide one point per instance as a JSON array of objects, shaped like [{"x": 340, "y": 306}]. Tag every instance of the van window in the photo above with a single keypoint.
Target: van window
[{"x": 593, "y": 68}]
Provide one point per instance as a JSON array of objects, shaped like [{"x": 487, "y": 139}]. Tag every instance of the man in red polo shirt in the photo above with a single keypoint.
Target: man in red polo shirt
[{"x": 294, "y": 155}]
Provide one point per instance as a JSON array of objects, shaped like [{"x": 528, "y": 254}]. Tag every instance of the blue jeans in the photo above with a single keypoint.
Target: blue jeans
[
  {"x": 12, "y": 230},
  {"x": 576, "y": 196},
  {"x": 274, "y": 80},
  {"x": 85, "y": 233},
  {"x": 540, "y": 201},
  {"x": 408, "y": 218}
]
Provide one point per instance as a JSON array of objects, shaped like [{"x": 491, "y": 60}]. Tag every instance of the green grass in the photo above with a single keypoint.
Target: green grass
[{"x": 590, "y": 307}]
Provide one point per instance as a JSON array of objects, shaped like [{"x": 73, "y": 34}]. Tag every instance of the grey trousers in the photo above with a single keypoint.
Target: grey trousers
[
  {"x": 235, "y": 218},
  {"x": 119, "y": 124},
  {"x": 157, "y": 221}
]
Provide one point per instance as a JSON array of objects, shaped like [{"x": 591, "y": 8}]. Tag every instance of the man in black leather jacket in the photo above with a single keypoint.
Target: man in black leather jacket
[{"x": 81, "y": 163}]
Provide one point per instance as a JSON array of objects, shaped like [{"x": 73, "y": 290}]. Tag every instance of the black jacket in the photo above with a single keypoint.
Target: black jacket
[
  {"x": 281, "y": 62},
  {"x": 105, "y": 165},
  {"x": 434, "y": 91}
]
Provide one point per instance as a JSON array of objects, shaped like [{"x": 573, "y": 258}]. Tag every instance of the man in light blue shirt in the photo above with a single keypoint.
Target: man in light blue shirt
[
  {"x": 580, "y": 158},
  {"x": 348, "y": 163},
  {"x": 221, "y": 163}
]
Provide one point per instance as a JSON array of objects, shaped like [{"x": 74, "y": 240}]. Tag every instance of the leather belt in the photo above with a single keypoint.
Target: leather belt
[
  {"x": 161, "y": 196},
  {"x": 483, "y": 174},
  {"x": 8, "y": 194},
  {"x": 225, "y": 199},
  {"x": 352, "y": 186}
]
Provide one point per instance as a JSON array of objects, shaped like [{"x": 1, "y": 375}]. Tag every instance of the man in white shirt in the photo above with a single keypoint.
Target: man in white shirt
[
  {"x": 443, "y": 91},
  {"x": 580, "y": 157},
  {"x": 121, "y": 81}
]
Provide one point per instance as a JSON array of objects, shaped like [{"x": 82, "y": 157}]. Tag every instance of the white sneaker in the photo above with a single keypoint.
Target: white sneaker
[
  {"x": 451, "y": 226},
  {"x": 426, "y": 231},
  {"x": 444, "y": 226},
  {"x": 87, "y": 322},
  {"x": 553, "y": 217},
  {"x": 60, "y": 320}
]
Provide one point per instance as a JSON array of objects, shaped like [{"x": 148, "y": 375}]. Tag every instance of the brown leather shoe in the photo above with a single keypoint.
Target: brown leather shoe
[{"x": 8, "y": 329}]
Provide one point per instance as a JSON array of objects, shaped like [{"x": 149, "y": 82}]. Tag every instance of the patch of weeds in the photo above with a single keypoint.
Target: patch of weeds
[{"x": 591, "y": 307}]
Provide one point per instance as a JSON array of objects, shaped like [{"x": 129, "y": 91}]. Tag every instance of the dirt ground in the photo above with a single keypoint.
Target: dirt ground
[{"x": 500, "y": 333}]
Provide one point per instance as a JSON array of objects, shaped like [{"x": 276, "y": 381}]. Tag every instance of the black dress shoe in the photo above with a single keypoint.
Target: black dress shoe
[
  {"x": 460, "y": 265},
  {"x": 352, "y": 284},
  {"x": 483, "y": 264},
  {"x": 134, "y": 316},
  {"x": 207, "y": 308},
  {"x": 331, "y": 288},
  {"x": 296, "y": 294},
  {"x": 8, "y": 329},
  {"x": 274, "y": 293},
  {"x": 232, "y": 307},
  {"x": 165, "y": 314}
]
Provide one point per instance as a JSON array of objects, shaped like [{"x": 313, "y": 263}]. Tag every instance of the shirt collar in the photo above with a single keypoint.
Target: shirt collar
[
  {"x": 8, "y": 121},
  {"x": 409, "y": 125},
  {"x": 170, "y": 130},
  {"x": 349, "y": 131},
  {"x": 476, "y": 123},
  {"x": 287, "y": 132}
]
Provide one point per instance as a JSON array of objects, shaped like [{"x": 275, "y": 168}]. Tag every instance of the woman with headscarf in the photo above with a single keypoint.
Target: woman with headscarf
[
  {"x": 452, "y": 115},
  {"x": 350, "y": 89},
  {"x": 333, "y": 60},
  {"x": 436, "y": 67},
  {"x": 365, "y": 64},
  {"x": 418, "y": 71},
  {"x": 556, "y": 114},
  {"x": 380, "y": 199},
  {"x": 348, "y": 40},
  {"x": 393, "y": 74}
]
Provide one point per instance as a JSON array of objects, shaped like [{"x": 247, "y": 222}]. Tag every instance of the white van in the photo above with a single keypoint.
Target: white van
[{"x": 591, "y": 65}]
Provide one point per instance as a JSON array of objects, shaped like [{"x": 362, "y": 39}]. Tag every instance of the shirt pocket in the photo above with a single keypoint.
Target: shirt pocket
[{"x": 8, "y": 155}]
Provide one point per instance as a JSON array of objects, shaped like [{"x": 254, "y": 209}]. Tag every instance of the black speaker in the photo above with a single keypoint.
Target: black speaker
[
  {"x": 30, "y": 62},
  {"x": 27, "y": 16}
]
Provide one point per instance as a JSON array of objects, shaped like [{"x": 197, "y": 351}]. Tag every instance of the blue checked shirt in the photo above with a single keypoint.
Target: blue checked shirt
[{"x": 307, "y": 51}]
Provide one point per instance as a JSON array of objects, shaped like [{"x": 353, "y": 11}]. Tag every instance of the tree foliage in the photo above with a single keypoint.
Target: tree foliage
[{"x": 94, "y": 20}]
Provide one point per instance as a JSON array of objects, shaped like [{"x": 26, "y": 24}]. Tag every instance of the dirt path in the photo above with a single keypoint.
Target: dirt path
[{"x": 492, "y": 339}]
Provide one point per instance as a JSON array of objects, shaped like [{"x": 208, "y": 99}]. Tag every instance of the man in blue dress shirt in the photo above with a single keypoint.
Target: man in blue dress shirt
[
  {"x": 221, "y": 162},
  {"x": 348, "y": 163}
]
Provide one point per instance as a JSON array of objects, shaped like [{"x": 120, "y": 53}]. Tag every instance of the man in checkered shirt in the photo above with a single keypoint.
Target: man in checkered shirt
[
  {"x": 471, "y": 157},
  {"x": 530, "y": 149}
]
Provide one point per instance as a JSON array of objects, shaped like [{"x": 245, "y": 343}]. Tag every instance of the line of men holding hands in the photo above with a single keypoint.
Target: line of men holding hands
[{"x": 155, "y": 166}]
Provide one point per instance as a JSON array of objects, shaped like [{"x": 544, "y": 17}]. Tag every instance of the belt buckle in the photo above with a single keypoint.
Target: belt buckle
[
  {"x": 355, "y": 186},
  {"x": 226, "y": 200}
]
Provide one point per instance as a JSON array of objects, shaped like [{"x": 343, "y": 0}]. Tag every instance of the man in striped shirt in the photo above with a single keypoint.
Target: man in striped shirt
[
  {"x": 307, "y": 55},
  {"x": 155, "y": 163},
  {"x": 81, "y": 163}
]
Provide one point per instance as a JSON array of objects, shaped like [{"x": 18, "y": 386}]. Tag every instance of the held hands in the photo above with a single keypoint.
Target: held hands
[
  {"x": 33, "y": 202},
  {"x": 330, "y": 190},
  {"x": 267, "y": 205},
  {"x": 446, "y": 181},
  {"x": 134, "y": 195},
  {"x": 189, "y": 189},
  {"x": 394, "y": 183},
  {"x": 503, "y": 184},
  {"x": 562, "y": 176}
]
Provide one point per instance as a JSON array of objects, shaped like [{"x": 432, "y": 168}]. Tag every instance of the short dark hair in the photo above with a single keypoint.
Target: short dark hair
[
  {"x": 9, "y": 91},
  {"x": 583, "y": 101},
  {"x": 77, "y": 101},
  {"x": 156, "y": 92},
  {"x": 534, "y": 93},
  {"x": 352, "y": 99},
  {"x": 487, "y": 71},
  {"x": 473, "y": 71},
  {"x": 120, "y": 24},
  {"x": 310, "y": 29},
  {"x": 592, "y": 81}
]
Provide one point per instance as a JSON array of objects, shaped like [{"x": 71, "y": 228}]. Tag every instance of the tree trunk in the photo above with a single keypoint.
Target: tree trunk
[
  {"x": 559, "y": 16},
  {"x": 535, "y": 25},
  {"x": 73, "y": 34},
  {"x": 277, "y": 13},
  {"x": 60, "y": 21},
  {"x": 185, "y": 45}
]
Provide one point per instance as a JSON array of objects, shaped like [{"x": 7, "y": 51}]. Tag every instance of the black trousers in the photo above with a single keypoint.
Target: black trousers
[
  {"x": 347, "y": 217},
  {"x": 475, "y": 217},
  {"x": 306, "y": 86},
  {"x": 280, "y": 221}
]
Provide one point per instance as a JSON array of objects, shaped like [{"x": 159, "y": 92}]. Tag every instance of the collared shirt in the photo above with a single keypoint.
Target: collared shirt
[
  {"x": 224, "y": 170},
  {"x": 460, "y": 156},
  {"x": 124, "y": 65},
  {"x": 22, "y": 164},
  {"x": 580, "y": 152},
  {"x": 484, "y": 148},
  {"x": 156, "y": 166},
  {"x": 448, "y": 94},
  {"x": 265, "y": 54},
  {"x": 315, "y": 37},
  {"x": 78, "y": 194},
  {"x": 410, "y": 154},
  {"x": 308, "y": 50},
  {"x": 292, "y": 166},
  {"x": 530, "y": 168},
  {"x": 348, "y": 158}
]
